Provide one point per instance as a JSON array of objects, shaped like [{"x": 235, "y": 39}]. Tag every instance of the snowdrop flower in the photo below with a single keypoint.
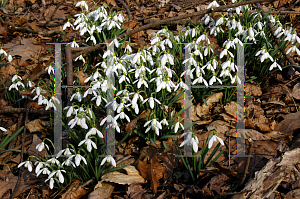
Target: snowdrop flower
[
  {"x": 89, "y": 144},
  {"x": 155, "y": 125},
  {"x": 50, "y": 69},
  {"x": 164, "y": 122},
  {"x": 213, "y": 139},
  {"x": 214, "y": 79},
  {"x": 74, "y": 44},
  {"x": 80, "y": 57},
  {"x": 293, "y": 49},
  {"x": 211, "y": 65},
  {"x": 114, "y": 42},
  {"x": 203, "y": 37},
  {"x": 275, "y": 65},
  {"x": 151, "y": 101},
  {"x": 58, "y": 174},
  {"x": 91, "y": 37},
  {"x": 220, "y": 20},
  {"x": 77, "y": 96},
  {"x": 122, "y": 115},
  {"x": 9, "y": 58},
  {"x": 2, "y": 52},
  {"x": 176, "y": 126},
  {"x": 94, "y": 131},
  {"x": 190, "y": 140},
  {"x": 15, "y": 77},
  {"x": 51, "y": 182},
  {"x": 27, "y": 164},
  {"x": 68, "y": 162},
  {"x": 128, "y": 49},
  {"x": 44, "y": 171},
  {"x": 108, "y": 118},
  {"x": 191, "y": 61},
  {"x": 182, "y": 85},
  {"x": 164, "y": 42},
  {"x": 235, "y": 78},
  {"x": 2, "y": 129},
  {"x": 67, "y": 152},
  {"x": 67, "y": 25},
  {"x": 264, "y": 55},
  {"x": 83, "y": 4},
  {"x": 13, "y": 86},
  {"x": 79, "y": 121},
  {"x": 260, "y": 25},
  {"x": 207, "y": 19},
  {"x": 213, "y": 4},
  {"x": 41, "y": 146},
  {"x": 30, "y": 83},
  {"x": 226, "y": 52},
  {"x": 54, "y": 161},
  {"x": 109, "y": 159},
  {"x": 78, "y": 158},
  {"x": 141, "y": 81},
  {"x": 200, "y": 80},
  {"x": 167, "y": 58}
]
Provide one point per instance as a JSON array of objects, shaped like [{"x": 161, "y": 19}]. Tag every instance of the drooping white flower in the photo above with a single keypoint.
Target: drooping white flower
[
  {"x": 89, "y": 144},
  {"x": 41, "y": 146},
  {"x": 78, "y": 158},
  {"x": 94, "y": 131},
  {"x": 9, "y": 58},
  {"x": 27, "y": 164},
  {"x": 67, "y": 152},
  {"x": 293, "y": 49},
  {"x": 2, "y": 129},
  {"x": 154, "y": 125},
  {"x": 83, "y": 4},
  {"x": 109, "y": 159},
  {"x": 190, "y": 140},
  {"x": 213, "y": 4},
  {"x": 213, "y": 139},
  {"x": 58, "y": 174},
  {"x": 68, "y": 25},
  {"x": 275, "y": 65},
  {"x": 151, "y": 101}
]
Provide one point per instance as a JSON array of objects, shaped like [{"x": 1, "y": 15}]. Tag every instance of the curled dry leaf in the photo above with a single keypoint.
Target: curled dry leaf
[
  {"x": 75, "y": 191},
  {"x": 203, "y": 110},
  {"x": 153, "y": 171},
  {"x": 135, "y": 191},
  {"x": 252, "y": 89},
  {"x": 132, "y": 176},
  {"x": 296, "y": 91},
  {"x": 102, "y": 190},
  {"x": 37, "y": 126}
]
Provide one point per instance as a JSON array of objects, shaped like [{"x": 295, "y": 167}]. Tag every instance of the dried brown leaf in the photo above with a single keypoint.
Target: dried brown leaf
[
  {"x": 132, "y": 176},
  {"x": 75, "y": 191},
  {"x": 296, "y": 91}
]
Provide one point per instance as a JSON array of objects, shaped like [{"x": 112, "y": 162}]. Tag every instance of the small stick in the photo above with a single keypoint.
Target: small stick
[
  {"x": 127, "y": 9},
  {"x": 33, "y": 15},
  {"x": 23, "y": 110}
]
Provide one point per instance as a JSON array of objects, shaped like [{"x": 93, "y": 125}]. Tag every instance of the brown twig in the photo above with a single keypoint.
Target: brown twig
[
  {"x": 127, "y": 9},
  {"x": 23, "y": 110},
  {"x": 168, "y": 20},
  {"x": 247, "y": 161},
  {"x": 45, "y": 34},
  {"x": 21, "y": 157},
  {"x": 32, "y": 15},
  {"x": 277, "y": 41}
]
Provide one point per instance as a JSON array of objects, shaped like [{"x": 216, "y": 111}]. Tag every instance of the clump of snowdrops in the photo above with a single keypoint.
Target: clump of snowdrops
[{"x": 152, "y": 79}]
